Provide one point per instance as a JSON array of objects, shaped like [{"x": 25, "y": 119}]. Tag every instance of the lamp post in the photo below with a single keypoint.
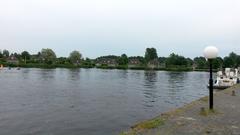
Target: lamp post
[{"x": 210, "y": 53}]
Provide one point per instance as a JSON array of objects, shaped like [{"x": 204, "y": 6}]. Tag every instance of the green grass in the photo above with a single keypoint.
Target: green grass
[
  {"x": 154, "y": 123},
  {"x": 208, "y": 112},
  {"x": 149, "y": 124},
  {"x": 204, "y": 99},
  {"x": 128, "y": 133}
]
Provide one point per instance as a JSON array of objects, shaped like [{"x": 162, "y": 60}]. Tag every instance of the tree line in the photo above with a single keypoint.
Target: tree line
[{"x": 47, "y": 57}]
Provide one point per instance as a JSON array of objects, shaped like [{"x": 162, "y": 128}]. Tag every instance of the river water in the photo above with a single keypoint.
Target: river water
[{"x": 90, "y": 101}]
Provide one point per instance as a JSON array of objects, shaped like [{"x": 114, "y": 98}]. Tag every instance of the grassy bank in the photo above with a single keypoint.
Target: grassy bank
[{"x": 160, "y": 121}]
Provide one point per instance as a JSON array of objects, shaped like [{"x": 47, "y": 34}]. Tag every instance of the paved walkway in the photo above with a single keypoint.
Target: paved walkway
[{"x": 192, "y": 119}]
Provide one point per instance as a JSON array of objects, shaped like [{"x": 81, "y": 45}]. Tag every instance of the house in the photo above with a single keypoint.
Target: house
[
  {"x": 12, "y": 60},
  {"x": 134, "y": 62},
  {"x": 110, "y": 61}
]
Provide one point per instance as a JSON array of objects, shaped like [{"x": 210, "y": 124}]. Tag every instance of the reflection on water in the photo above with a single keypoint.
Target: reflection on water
[
  {"x": 123, "y": 74},
  {"x": 150, "y": 79},
  {"x": 90, "y": 101},
  {"x": 176, "y": 82},
  {"x": 26, "y": 74},
  {"x": 74, "y": 74},
  {"x": 176, "y": 79},
  {"x": 47, "y": 74},
  {"x": 150, "y": 88}
]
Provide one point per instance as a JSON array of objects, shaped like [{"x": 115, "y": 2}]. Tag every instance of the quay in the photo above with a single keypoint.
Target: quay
[{"x": 196, "y": 119}]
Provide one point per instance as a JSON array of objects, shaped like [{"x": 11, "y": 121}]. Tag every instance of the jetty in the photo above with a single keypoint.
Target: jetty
[{"x": 196, "y": 119}]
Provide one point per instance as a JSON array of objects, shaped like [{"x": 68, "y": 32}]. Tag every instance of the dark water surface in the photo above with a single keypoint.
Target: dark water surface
[{"x": 90, "y": 101}]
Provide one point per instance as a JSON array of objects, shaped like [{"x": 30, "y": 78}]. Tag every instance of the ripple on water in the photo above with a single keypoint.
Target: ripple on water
[{"x": 90, "y": 101}]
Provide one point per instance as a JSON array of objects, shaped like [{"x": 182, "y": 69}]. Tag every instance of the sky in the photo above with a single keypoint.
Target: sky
[{"x": 103, "y": 27}]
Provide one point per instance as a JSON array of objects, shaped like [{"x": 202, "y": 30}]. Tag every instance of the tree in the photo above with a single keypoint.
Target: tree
[
  {"x": 151, "y": 54},
  {"x": 75, "y": 57},
  {"x": 123, "y": 60},
  {"x": 217, "y": 63},
  {"x": 16, "y": 55},
  {"x": 238, "y": 60},
  {"x": 6, "y": 53},
  {"x": 62, "y": 60},
  {"x": 176, "y": 60},
  {"x": 162, "y": 59},
  {"x": 25, "y": 55},
  {"x": 88, "y": 61},
  {"x": 189, "y": 62},
  {"x": 232, "y": 60},
  {"x": 228, "y": 62},
  {"x": 48, "y": 56},
  {"x": 38, "y": 54},
  {"x": 200, "y": 62},
  {"x": 1, "y": 55}
]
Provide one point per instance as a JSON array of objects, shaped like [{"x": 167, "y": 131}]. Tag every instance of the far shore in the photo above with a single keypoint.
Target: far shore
[{"x": 45, "y": 66}]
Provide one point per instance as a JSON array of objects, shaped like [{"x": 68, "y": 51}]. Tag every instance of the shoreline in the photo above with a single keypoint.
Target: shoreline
[
  {"x": 45, "y": 66},
  {"x": 173, "y": 121}
]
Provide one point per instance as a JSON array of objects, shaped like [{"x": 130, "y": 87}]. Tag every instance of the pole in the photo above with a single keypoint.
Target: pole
[{"x": 211, "y": 87}]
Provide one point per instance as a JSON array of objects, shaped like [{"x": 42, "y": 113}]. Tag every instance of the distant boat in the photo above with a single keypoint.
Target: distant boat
[{"x": 227, "y": 79}]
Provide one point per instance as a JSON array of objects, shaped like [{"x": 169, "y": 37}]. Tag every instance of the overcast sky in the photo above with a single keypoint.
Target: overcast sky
[{"x": 102, "y": 27}]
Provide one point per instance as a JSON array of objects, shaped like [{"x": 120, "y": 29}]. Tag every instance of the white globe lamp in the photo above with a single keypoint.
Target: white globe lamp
[{"x": 210, "y": 52}]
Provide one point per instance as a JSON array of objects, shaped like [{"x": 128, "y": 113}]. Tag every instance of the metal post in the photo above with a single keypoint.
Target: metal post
[{"x": 211, "y": 87}]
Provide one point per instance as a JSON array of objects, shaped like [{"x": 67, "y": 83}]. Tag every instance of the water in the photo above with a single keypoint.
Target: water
[{"x": 90, "y": 101}]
